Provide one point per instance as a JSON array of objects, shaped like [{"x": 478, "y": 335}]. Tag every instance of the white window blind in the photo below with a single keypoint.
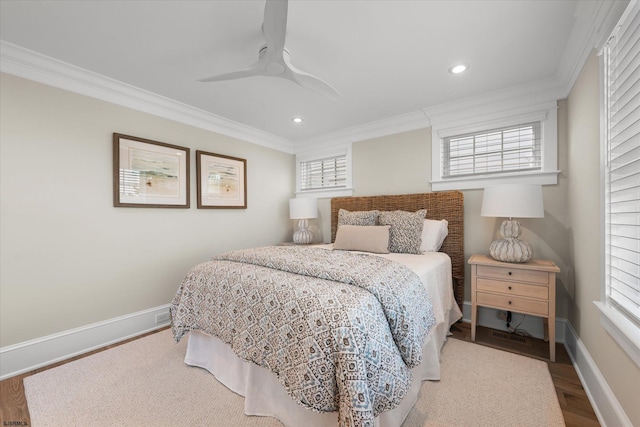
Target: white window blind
[
  {"x": 330, "y": 172},
  {"x": 622, "y": 166},
  {"x": 509, "y": 149}
]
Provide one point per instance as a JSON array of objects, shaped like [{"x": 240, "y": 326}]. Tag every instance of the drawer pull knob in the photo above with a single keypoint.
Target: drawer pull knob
[
  {"x": 510, "y": 273},
  {"x": 509, "y": 287},
  {"x": 509, "y": 302}
]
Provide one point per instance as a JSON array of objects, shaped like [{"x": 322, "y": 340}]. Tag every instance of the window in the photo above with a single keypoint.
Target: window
[
  {"x": 515, "y": 148},
  {"x": 324, "y": 174},
  {"x": 508, "y": 141},
  {"x": 621, "y": 152}
]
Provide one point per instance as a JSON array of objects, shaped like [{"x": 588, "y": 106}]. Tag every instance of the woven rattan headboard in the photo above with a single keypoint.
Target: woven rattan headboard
[{"x": 447, "y": 205}]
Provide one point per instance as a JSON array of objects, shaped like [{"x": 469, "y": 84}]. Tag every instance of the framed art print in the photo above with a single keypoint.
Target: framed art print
[
  {"x": 222, "y": 181},
  {"x": 149, "y": 174}
]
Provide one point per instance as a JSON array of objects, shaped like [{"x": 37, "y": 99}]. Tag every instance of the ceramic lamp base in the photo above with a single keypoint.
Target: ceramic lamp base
[
  {"x": 510, "y": 250},
  {"x": 303, "y": 236}
]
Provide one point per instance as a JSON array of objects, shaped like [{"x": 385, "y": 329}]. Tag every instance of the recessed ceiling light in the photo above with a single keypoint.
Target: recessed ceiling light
[
  {"x": 297, "y": 120},
  {"x": 457, "y": 69}
]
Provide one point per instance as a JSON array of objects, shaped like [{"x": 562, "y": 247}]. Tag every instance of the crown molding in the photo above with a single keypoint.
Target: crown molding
[
  {"x": 539, "y": 92},
  {"x": 509, "y": 100},
  {"x": 376, "y": 129},
  {"x": 594, "y": 22},
  {"x": 34, "y": 66}
]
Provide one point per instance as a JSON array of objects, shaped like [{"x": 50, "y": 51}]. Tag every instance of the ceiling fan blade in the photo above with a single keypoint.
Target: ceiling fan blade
[
  {"x": 309, "y": 81},
  {"x": 256, "y": 70},
  {"x": 271, "y": 62},
  {"x": 274, "y": 26},
  {"x": 274, "y": 58}
]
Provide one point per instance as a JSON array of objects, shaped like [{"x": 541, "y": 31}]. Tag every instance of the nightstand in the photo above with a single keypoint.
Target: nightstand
[{"x": 528, "y": 288}]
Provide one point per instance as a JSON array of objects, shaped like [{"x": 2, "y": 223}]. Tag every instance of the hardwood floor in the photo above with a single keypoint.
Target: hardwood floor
[{"x": 575, "y": 405}]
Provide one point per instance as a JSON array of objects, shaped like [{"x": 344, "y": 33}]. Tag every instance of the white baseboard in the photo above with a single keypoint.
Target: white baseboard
[
  {"x": 29, "y": 355},
  {"x": 604, "y": 402}
]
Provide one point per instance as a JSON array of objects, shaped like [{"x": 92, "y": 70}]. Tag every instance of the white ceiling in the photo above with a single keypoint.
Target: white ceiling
[{"x": 387, "y": 58}]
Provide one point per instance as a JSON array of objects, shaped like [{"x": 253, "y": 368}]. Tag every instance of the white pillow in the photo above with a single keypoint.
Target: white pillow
[
  {"x": 363, "y": 238},
  {"x": 433, "y": 234}
]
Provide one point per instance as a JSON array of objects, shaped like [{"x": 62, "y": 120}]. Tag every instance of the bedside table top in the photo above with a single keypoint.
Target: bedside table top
[{"x": 534, "y": 264}]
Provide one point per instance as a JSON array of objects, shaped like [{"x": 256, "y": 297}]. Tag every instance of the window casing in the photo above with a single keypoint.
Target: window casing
[
  {"x": 324, "y": 174},
  {"x": 321, "y": 174},
  {"x": 506, "y": 142},
  {"x": 620, "y": 305}
]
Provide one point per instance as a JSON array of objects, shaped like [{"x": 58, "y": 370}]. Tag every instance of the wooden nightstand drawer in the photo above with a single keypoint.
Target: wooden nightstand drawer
[
  {"x": 529, "y": 288},
  {"x": 511, "y": 303},
  {"x": 511, "y": 288},
  {"x": 517, "y": 274}
]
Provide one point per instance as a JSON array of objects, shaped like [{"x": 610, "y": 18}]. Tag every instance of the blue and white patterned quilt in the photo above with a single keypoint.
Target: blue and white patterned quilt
[{"x": 340, "y": 330}]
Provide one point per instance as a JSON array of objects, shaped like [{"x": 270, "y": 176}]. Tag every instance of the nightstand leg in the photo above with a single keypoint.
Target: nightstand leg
[
  {"x": 474, "y": 319},
  {"x": 552, "y": 339},
  {"x": 474, "y": 305}
]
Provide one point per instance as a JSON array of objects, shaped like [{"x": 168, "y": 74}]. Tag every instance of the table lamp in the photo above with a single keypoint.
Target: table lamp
[
  {"x": 302, "y": 209},
  {"x": 512, "y": 201}
]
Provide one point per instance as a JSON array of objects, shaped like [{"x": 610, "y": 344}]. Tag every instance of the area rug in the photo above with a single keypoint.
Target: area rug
[{"x": 146, "y": 383}]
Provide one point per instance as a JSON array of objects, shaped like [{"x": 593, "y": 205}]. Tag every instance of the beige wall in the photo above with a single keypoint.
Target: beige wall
[
  {"x": 397, "y": 164},
  {"x": 401, "y": 164},
  {"x": 68, "y": 257},
  {"x": 584, "y": 201}
]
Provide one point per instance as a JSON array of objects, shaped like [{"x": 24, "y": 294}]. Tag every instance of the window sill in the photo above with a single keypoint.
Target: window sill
[
  {"x": 623, "y": 331},
  {"x": 482, "y": 181},
  {"x": 326, "y": 194}
]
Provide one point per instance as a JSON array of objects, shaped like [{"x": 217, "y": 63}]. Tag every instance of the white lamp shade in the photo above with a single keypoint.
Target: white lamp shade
[
  {"x": 303, "y": 208},
  {"x": 513, "y": 201}
]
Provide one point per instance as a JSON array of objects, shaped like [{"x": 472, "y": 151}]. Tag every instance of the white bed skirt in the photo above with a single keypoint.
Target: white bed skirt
[{"x": 265, "y": 396}]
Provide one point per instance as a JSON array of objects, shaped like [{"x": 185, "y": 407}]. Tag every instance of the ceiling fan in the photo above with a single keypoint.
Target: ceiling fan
[{"x": 274, "y": 59}]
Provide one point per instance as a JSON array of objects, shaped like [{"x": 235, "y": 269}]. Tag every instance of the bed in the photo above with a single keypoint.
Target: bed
[{"x": 322, "y": 337}]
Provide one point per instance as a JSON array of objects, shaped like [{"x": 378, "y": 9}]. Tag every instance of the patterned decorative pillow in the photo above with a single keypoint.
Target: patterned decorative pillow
[
  {"x": 405, "y": 235},
  {"x": 357, "y": 218}
]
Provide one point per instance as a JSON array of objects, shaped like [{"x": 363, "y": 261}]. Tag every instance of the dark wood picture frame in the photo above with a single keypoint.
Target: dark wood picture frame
[
  {"x": 221, "y": 181},
  {"x": 150, "y": 174}
]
